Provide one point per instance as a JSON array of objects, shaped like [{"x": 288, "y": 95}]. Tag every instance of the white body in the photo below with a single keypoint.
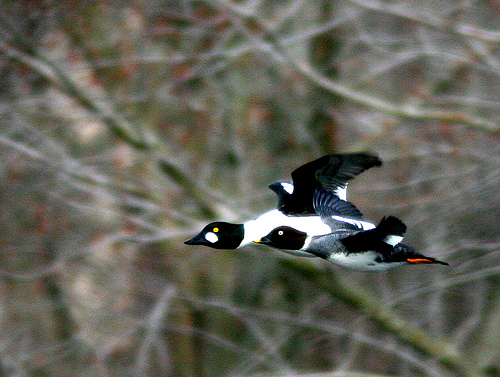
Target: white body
[
  {"x": 312, "y": 225},
  {"x": 361, "y": 261},
  {"x": 265, "y": 223}
]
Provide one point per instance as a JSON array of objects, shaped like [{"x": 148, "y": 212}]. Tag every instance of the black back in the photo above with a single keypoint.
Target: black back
[{"x": 374, "y": 239}]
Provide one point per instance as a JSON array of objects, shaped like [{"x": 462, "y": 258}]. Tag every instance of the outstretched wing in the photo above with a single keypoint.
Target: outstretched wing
[
  {"x": 338, "y": 172},
  {"x": 330, "y": 172}
]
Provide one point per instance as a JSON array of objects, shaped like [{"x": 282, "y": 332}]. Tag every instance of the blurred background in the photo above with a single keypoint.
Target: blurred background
[{"x": 126, "y": 126}]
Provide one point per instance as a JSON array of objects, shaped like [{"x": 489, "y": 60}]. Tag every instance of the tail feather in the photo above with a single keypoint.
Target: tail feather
[{"x": 412, "y": 256}]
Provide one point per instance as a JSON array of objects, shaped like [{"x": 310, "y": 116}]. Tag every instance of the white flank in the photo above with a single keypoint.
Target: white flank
[
  {"x": 364, "y": 261},
  {"x": 211, "y": 237},
  {"x": 262, "y": 225},
  {"x": 393, "y": 240}
]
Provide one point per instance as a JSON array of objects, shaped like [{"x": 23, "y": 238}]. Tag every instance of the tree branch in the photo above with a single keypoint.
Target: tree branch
[
  {"x": 261, "y": 36},
  {"x": 429, "y": 19},
  {"x": 355, "y": 297},
  {"x": 118, "y": 125}
]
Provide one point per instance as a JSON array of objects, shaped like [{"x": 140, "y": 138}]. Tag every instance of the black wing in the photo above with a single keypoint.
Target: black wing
[
  {"x": 327, "y": 204},
  {"x": 330, "y": 172},
  {"x": 336, "y": 174}
]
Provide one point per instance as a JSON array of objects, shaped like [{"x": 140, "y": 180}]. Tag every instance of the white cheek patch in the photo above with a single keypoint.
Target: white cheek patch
[
  {"x": 393, "y": 240},
  {"x": 211, "y": 237},
  {"x": 288, "y": 187}
]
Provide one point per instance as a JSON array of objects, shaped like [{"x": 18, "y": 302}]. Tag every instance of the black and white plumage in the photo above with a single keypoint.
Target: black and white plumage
[
  {"x": 331, "y": 172},
  {"x": 376, "y": 249},
  {"x": 295, "y": 203}
]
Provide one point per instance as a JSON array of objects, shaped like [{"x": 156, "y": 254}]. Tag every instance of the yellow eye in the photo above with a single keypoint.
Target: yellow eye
[
  {"x": 216, "y": 230},
  {"x": 280, "y": 233}
]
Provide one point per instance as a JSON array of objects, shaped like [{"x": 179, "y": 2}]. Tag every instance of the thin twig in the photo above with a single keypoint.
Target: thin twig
[
  {"x": 267, "y": 41},
  {"x": 440, "y": 349},
  {"x": 119, "y": 126}
]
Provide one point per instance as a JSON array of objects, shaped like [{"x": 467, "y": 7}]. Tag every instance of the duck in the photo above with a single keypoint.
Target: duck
[
  {"x": 295, "y": 209},
  {"x": 376, "y": 249}
]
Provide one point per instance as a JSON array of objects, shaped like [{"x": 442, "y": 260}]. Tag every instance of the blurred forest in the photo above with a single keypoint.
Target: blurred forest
[{"x": 126, "y": 126}]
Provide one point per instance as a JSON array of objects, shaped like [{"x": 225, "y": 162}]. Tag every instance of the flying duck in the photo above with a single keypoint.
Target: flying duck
[
  {"x": 375, "y": 249},
  {"x": 295, "y": 204}
]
